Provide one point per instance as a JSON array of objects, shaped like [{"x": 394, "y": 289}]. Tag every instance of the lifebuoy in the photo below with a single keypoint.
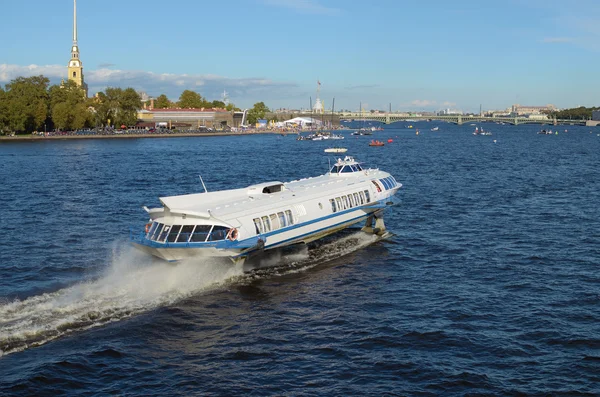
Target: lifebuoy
[
  {"x": 148, "y": 227},
  {"x": 232, "y": 234}
]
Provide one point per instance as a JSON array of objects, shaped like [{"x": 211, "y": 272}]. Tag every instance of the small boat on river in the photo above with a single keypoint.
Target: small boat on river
[
  {"x": 239, "y": 223},
  {"x": 375, "y": 142},
  {"x": 336, "y": 150}
]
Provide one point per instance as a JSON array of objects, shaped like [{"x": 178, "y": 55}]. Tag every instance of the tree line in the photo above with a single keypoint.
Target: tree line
[
  {"x": 580, "y": 113},
  {"x": 29, "y": 104}
]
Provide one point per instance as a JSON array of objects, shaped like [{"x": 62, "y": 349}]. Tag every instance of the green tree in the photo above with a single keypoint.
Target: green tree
[
  {"x": 217, "y": 104},
  {"x": 257, "y": 112},
  {"x": 27, "y": 103},
  {"x": 232, "y": 107},
  {"x": 3, "y": 111},
  {"x": 68, "y": 106},
  {"x": 162, "y": 102},
  {"x": 191, "y": 99},
  {"x": 117, "y": 106}
]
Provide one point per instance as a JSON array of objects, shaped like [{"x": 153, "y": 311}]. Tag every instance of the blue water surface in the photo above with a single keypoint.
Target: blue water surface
[{"x": 490, "y": 284}]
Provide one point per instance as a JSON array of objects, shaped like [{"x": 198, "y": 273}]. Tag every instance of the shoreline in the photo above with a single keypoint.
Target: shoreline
[{"x": 22, "y": 138}]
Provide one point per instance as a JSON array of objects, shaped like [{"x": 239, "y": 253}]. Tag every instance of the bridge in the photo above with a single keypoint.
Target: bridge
[{"x": 459, "y": 119}]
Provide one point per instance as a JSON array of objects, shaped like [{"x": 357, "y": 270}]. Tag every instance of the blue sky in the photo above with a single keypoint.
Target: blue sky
[{"x": 416, "y": 55}]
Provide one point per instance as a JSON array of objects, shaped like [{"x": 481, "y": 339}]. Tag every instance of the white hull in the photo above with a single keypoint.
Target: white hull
[{"x": 239, "y": 223}]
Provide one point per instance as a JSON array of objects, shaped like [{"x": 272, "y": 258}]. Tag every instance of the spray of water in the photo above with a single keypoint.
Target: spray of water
[{"x": 133, "y": 284}]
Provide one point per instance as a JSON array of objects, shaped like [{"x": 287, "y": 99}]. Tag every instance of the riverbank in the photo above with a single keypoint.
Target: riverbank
[{"x": 21, "y": 138}]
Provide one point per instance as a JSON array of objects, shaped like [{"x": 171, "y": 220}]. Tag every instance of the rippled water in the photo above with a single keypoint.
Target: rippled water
[{"x": 489, "y": 285}]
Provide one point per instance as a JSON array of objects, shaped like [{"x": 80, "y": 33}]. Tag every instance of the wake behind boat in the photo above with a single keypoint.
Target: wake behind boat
[{"x": 238, "y": 223}]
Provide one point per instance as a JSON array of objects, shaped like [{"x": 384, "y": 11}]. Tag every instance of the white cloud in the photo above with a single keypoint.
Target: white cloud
[
  {"x": 242, "y": 91},
  {"x": 423, "y": 103},
  {"x": 304, "y": 6}
]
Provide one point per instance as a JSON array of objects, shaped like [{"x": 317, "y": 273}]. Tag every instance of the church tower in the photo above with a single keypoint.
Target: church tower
[{"x": 75, "y": 68}]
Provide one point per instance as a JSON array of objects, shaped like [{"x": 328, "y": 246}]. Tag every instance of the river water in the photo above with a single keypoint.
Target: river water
[{"x": 490, "y": 283}]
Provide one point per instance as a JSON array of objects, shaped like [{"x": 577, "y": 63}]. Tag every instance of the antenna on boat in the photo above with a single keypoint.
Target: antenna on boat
[{"x": 203, "y": 185}]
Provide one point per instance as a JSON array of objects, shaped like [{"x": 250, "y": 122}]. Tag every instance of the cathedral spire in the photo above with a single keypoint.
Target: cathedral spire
[
  {"x": 75, "y": 68},
  {"x": 74, "y": 22}
]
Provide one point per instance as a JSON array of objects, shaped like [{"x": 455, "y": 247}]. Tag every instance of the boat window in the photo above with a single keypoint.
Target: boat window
[
  {"x": 274, "y": 222},
  {"x": 172, "y": 237},
  {"x": 332, "y": 201},
  {"x": 358, "y": 167},
  {"x": 345, "y": 200},
  {"x": 346, "y": 169},
  {"x": 266, "y": 223},
  {"x": 200, "y": 233},
  {"x": 152, "y": 229},
  {"x": 185, "y": 233},
  {"x": 362, "y": 197},
  {"x": 218, "y": 233},
  {"x": 156, "y": 233},
  {"x": 290, "y": 218},
  {"x": 258, "y": 226},
  {"x": 385, "y": 183},
  {"x": 367, "y": 196},
  {"x": 356, "y": 199},
  {"x": 336, "y": 168},
  {"x": 338, "y": 202},
  {"x": 282, "y": 220},
  {"x": 351, "y": 200},
  {"x": 377, "y": 186},
  {"x": 164, "y": 233}
]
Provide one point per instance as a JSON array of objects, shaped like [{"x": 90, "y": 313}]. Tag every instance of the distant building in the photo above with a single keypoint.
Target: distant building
[
  {"x": 449, "y": 112},
  {"x": 518, "y": 110},
  {"x": 75, "y": 68},
  {"x": 188, "y": 118}
]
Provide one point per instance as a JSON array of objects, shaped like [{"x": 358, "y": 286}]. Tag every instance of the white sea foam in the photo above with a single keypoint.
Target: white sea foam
[{"x": 133, "y": 284}]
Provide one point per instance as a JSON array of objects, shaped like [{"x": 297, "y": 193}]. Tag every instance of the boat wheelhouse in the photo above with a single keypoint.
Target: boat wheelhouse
[{"x": 238, "y": 223}]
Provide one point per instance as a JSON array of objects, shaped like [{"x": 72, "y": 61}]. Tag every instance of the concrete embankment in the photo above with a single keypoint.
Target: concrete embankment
[{"x": 132, "y": 136}]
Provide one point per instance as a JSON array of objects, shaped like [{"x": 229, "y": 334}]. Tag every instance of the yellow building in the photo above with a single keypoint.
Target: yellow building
[{"x": 75, "y": 68}]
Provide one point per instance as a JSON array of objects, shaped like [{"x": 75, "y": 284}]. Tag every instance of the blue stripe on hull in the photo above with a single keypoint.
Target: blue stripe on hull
[{"x": 253, "y": 241}]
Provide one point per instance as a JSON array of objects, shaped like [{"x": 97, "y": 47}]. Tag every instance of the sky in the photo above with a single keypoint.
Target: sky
[{"x": 424, "y": 55}]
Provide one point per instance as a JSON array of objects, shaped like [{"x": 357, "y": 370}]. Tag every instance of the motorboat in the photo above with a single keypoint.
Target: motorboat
[
  {"x": 544, "y": 132},
  {"x": 375, "y": 142},
  {"x": 238, "y": 223},
  {"x": 336, "y": 150},
  {"x": 435, "y": 128},
  {"x": 480, "y": 131}
]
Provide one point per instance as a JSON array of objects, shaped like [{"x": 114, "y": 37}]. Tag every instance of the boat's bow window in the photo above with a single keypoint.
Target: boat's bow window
[
  {"x": 346, "y": 169},
  {"x": 218, "y": 233},
  {"x": 173, "y": 233},
  {"x": 185, "y": 233},
  {"x": 200, "y": 233},
  {"x": 163, "y": 234}
]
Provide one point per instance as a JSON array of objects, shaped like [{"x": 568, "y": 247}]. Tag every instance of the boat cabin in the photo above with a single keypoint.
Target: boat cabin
[{"x": 346, "y": 166}]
